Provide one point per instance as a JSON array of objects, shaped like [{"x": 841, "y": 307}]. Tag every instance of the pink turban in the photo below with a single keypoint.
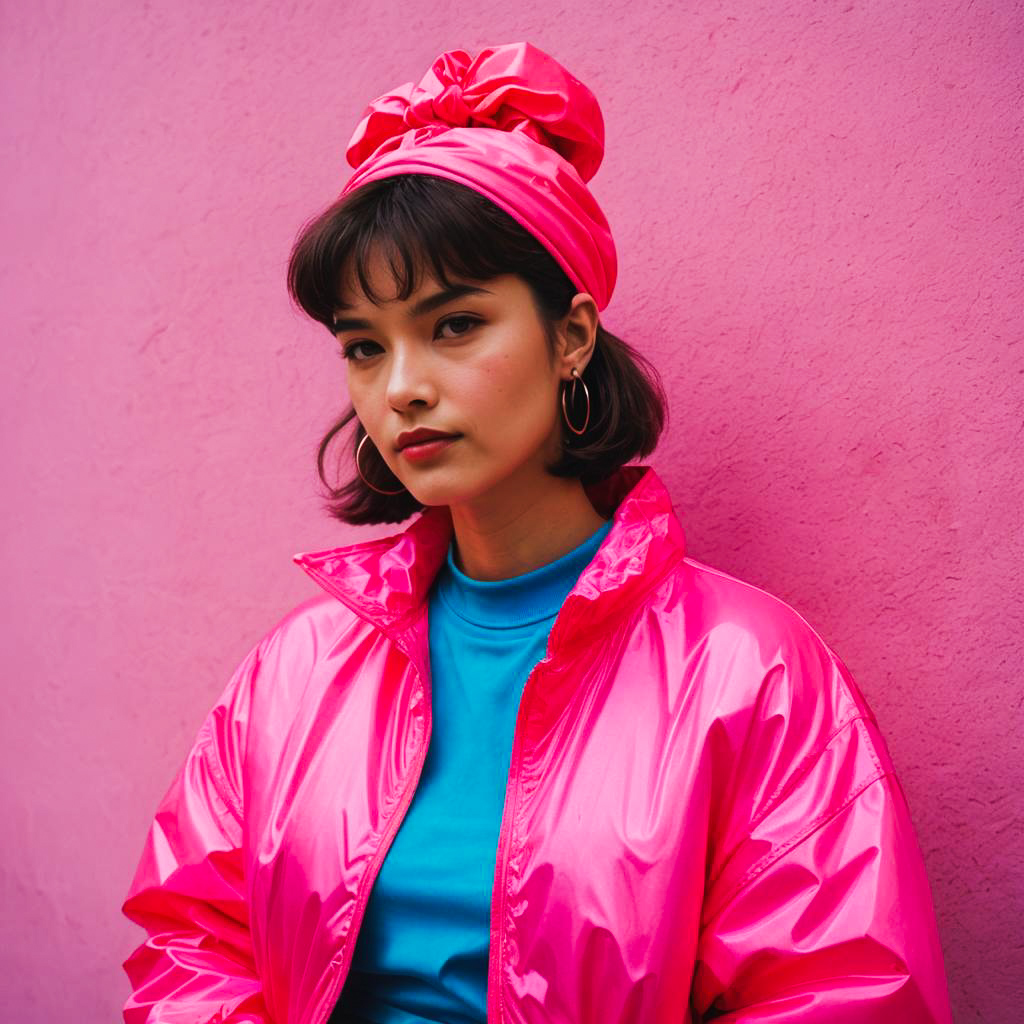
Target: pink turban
[{"x": 515, "y": 126}]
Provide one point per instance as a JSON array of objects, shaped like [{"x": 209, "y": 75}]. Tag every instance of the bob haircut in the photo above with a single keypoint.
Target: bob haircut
[{"x": 429, "y": 224}]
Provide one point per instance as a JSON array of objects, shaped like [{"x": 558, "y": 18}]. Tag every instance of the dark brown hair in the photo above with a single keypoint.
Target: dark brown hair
[{"x": 425, "y": 223}]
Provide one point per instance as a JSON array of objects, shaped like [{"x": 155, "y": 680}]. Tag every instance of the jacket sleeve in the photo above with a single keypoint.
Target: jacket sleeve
[
  {"x": 189, "y": 892},
  {"x": 819, "y": 908}
]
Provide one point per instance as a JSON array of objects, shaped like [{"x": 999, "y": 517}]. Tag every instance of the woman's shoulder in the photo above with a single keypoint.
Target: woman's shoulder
[
  {"x": 713, "y": 602},
  {"x": 310, "y": 632},
  {"x": 320, "y": 615},
  {"x": 758, "y": 653}
]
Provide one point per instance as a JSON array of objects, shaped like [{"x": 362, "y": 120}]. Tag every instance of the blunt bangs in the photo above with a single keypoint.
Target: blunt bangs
[{"x": 419, "y": 228}]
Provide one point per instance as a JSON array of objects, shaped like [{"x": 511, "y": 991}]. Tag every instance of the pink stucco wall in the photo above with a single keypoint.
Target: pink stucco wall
[{"x": 818, "y": 209}]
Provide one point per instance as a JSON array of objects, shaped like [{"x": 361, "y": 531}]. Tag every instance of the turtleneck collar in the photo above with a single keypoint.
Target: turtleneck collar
[
  {"x": 386, "y": 581},
  {"x": 519, "y": 600}
]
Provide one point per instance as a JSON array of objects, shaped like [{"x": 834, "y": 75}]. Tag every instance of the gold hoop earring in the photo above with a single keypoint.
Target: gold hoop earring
[
  {"x": 576, "y": 379},
  {"x": 359, "y": 449}
]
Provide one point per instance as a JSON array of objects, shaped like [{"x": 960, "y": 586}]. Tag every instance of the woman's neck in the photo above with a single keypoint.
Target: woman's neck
[{"x": 501, "y": 536}]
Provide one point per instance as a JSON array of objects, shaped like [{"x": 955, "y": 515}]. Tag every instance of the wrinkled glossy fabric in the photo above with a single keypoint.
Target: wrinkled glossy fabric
[
  {"x": 701, "y": 820},
  {"x": 514, "y": 125}
]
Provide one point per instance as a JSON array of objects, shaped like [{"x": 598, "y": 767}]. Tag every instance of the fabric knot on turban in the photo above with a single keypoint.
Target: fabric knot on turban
[
  {"x": 515, "y": 88},
  {"x": 513, "y": 124}
]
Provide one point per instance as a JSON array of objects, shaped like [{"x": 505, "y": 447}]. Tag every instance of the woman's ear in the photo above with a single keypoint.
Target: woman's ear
[{"x": 577, "y": 333}]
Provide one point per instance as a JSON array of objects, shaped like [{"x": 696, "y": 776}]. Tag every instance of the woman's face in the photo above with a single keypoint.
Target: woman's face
[{"x": 474, "y": 364}]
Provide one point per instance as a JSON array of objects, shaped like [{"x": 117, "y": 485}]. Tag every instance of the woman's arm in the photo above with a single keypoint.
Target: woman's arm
[
  {"x": 821, "y": 911},
  {"x": 189, "y": 891}
]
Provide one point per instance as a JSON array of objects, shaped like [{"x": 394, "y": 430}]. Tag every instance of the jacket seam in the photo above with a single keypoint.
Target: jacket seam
[
  {"x": 805, "y": 765},
  {"x": 224, "y": 790},
  {"x": 815, "y": 825}
]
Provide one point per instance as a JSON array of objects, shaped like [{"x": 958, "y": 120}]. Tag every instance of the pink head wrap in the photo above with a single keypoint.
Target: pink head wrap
[{"x": 515, "y": 126}]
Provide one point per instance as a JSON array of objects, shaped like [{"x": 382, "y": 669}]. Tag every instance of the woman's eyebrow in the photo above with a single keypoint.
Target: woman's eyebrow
[{"x": 423, "y": 306}]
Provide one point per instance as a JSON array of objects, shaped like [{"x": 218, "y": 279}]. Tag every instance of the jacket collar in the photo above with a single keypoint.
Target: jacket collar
[{"x": 386, "y": 581}]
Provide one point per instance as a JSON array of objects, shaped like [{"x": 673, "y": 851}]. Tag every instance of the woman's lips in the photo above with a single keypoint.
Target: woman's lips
[{"x": 424, "y": 450}]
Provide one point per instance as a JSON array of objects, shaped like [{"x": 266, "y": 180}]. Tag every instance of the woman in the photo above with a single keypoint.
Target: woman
[{"x": 524, "y": 760}]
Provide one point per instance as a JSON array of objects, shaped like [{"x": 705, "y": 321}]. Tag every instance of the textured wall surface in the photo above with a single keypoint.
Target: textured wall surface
[{"x": 818, "y": 210}]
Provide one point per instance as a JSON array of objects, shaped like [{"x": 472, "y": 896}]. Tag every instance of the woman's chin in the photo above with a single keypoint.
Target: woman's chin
[
  {"x": 427, "y": 494},
  {"x": 430, "y": 488},
  {"x": 435, "y": 489}
]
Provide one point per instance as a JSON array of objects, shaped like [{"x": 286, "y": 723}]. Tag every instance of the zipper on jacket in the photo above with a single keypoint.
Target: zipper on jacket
[
  {"x": 397, "y": 817},
  {"x": 497, "y": 932}
]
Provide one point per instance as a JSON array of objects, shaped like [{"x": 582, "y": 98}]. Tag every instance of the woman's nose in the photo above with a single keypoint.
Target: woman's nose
[{"x": 409, "y": 381}]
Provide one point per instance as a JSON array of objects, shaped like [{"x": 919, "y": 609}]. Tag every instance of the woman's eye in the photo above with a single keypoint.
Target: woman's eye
[
  {"x": 349, "y": 351},
  {"x": 469, "y": 321},
  {"x": 460, "y": 325}
]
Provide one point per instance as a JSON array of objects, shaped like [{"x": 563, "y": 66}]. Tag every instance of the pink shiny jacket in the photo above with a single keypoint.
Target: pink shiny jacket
[{"x": 701, "y": 821}]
